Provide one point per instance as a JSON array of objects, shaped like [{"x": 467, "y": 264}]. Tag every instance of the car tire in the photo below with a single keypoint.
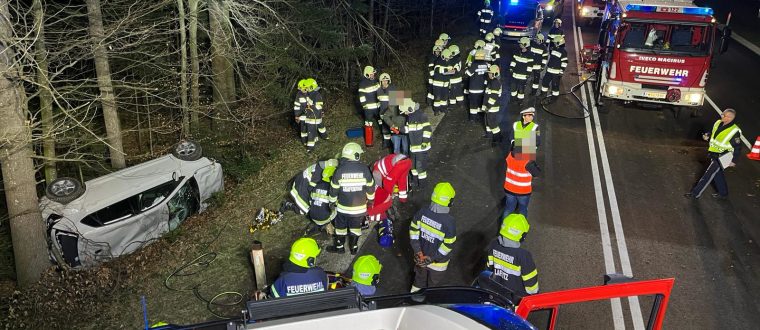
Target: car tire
[
  {"x": 64, "y": 190},
  {"x": 187, "y": 150}
]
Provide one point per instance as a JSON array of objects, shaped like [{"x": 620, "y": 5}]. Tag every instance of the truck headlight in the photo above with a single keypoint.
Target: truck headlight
[
  {"x": 614, "y": 90},
  {"x": 585, "y": 10},
  {"x": 694, "y": 97}
]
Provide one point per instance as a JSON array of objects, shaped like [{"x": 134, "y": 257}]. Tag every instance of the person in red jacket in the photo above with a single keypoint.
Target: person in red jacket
[{"x": 389, "y": 172}]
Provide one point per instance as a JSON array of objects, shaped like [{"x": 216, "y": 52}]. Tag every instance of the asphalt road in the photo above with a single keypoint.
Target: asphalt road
[{"x": 610, "y": 199}]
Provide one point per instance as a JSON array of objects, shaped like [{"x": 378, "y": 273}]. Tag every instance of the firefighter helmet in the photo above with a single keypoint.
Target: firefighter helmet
[
  {"x": 480, "y": 44},
  {"x": 558, "y": 41},
  {"x": 524, "y": 42},
  {"x": 540, "y": 37},
  {"x": 497, "y": 32},
  {"x": 494, "y": 69},
  {"x": 446, "y": 54},
  {"x": 385, "y": 76},
  {"x": 304, "y": 252},
  {"x": 444, "y": 37},
  {"x": 352, "y": 151},
  {"x": 408, "y": 106},
  {"x": 369, "y": 70},
  {"x": 480, "y": 55},
  {"x": 514, "y": 227},
  {"x": 558, "y": 22},
  {"x": 443, "y": 193},
  {"x": 367, "y": 270},
  {"x": 489, "y": 36},
  {"x": 303, "y": 85},
  {"x": 454, "y": 50},
  {"x": 311, "y": 84}
]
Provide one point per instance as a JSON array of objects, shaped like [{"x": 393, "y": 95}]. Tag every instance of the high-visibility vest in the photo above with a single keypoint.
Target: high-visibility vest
[
  {"x": 722, "y": 142},
  {"x": 517, "y": 179}
]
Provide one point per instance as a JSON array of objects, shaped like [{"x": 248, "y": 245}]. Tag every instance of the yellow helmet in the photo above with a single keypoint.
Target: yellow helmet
[
  {"x": 303, "y": 85},
  {"x": 385, "y": 76},
  {"x": 480, "y": 44},
  {"x": 304, "y": 252},
  {"x": 444, "y": 37},
  {"x": 367, "y": 270},
  {"x": 497, "y": 32},
  {"x": 443, "y": 193},
  {"x": 514, "y": 227},
  {"x": 368, "y": 70},
  {"x": 446, "y": 54},
  {"x": 524, "y": 42},
  {"x": 454, "y": 50},
  {"x": 494, "y": 69},
  {"x": 489, "y": 36}
]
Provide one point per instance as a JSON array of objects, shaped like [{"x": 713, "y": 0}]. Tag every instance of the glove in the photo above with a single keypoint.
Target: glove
[
  {"x": 419, "y": 258},
  {"x": 394, "y": 130},
  {"x": 706, "y": 136}
]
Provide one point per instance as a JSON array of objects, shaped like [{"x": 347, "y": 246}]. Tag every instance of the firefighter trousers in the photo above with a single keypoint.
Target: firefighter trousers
[
  {"x": 440, "y": 99},
  {"x": 475, "y": 101},
  {"x": 456, "y": 93},
  {"x": 310, "y": 134},
  {"x": 425, "y": 277},
  {"x": 419, "y": 164},
  {"x": 371, "y": 116},
  {"x": 551, "y": 80},
  {"x": 348, "y": 224},
  {"x": 536, "y": 83},
  {"x": 492, "y": 122},
  {"x": 517, "y": 88}
]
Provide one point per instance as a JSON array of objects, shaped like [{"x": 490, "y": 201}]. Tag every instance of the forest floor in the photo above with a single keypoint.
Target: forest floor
[{"x": 210, "y": 250}]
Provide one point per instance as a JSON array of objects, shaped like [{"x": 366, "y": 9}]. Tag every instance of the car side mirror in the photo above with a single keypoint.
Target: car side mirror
[
  {"x": 725, "y": 39},
  {"x": 175, "y": 176}
]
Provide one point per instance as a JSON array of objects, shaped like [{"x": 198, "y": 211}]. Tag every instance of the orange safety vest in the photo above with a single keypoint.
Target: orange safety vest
[{"x": 517, "y": 179}]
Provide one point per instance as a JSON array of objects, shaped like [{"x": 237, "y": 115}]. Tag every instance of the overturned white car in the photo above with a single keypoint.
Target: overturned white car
[{"x": 119, "y": 212}]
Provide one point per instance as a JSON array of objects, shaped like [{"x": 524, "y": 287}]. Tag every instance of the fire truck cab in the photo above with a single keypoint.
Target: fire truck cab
[{"x": 656, "y": 51}]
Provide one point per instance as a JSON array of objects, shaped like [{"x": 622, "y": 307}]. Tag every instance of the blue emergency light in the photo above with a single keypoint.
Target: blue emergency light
[
  {"x": 676, "y": 10},
  {"x": 513, "y": 2}
]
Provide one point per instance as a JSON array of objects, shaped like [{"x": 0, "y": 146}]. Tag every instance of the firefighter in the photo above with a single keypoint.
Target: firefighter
[
  {"x": 492, "y": 48},
  {"x": 441, "y": 83},
  {"x": 316, "y": 97},
  {"x": 479, "y": 44},
  {"x": 353, "y": 190},
  {"x": 300, "y": 273},
  {"x": 445, "y": 38},
  {"x": 366, "y": 275},
  {"x": 556, "y": 30},
  {"x": 521, "y": 66},
  {"x": 432, "y": 234},
  {"x": 476, "y": 75},
  {"x": 485, "y": 16},
  {"x": 725, "y": 140},
  {"x": 513, "y": 266},
  {"x": 491, "y": 104},
  {"x": 420, "y": 134},
  {"x": 384, "y": 96},
  {"x": 368, "y": 98},
  {"x": 497, "y": 32},
  {"x": 321, "y": 212},
  {"x": 538, "y": 50},
  {"x": 555, "y": 66},
  {"x": 303, "y": 185},
  {"x": 299, "y": 108},
  {"x": 456, "y": 88},
  {"x": 437, "y": 49}
]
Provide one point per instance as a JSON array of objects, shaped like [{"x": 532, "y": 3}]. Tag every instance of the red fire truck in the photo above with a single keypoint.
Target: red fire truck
[{"x": 656, "y": 51}]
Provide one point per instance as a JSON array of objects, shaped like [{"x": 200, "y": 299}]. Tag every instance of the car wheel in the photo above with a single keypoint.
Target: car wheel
[
  {"x": 187, "y": 150},
  {"x": 64, "y": 190}
]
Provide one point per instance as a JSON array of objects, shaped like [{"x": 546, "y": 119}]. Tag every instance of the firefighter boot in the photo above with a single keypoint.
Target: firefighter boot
[
  {"x": 312, "y": 229},
  {"x": 338, "y": 245},
  {"x": 353, "y": 244}
]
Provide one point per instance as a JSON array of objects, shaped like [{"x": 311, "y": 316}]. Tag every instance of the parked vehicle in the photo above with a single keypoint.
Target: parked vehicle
[
  {"x": 552, "y": 8},
  {"x": 118, "y": 213},
  {"x": 520, "y": 18},
  {"x": 590, "y": 11}
]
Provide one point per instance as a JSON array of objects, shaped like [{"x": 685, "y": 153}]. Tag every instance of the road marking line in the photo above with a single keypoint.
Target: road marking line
[
  {"x": 746, "y": 43},
  {"x": 625, "y": 261},
  {"x": 609, "y": 259},
  {"x": 717, "y": 109}
]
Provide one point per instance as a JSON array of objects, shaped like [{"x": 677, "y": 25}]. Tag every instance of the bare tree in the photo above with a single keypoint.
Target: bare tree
[
  {"x": 27, "y": 228},
  {"x": 195, "y": 91},
  {"x": 183, "y": 68},
  {"x": 45, "y": 96},
  {"x": 107, "y": 98}
]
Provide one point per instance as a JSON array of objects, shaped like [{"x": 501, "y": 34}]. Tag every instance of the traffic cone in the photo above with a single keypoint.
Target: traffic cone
[
  {"x": 755, "y": 153},
  {"x": 368, "y": 135}
]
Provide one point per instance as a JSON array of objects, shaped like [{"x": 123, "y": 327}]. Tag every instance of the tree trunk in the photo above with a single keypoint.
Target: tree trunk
[
  {"x": 386, "y": 34},
  {"x": 220, "y": 65},
  {"x": 107, "y": 98},
  {"x": 183, "y": 69},
  {"x": 46, "y": 98},
  {"x": 195, "y": 90},
  {"x": 27, "y": 228},
  {"x": 228, "y": 54},
  {"x": 432, "y": 12}
]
